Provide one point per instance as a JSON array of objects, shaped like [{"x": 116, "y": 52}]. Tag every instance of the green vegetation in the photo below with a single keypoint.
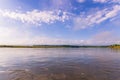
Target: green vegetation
[
  {"x": 50, "y": 46},
  {"x": 115, "y": 46}
]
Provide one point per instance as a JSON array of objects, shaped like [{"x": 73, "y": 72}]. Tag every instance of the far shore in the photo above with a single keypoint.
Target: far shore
[
  {"x": 50, "y": 46},
  {"x": 115, "y": 46}
]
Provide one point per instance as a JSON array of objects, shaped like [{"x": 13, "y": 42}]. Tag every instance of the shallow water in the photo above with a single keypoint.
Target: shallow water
[{"x": 59, "y": 64}]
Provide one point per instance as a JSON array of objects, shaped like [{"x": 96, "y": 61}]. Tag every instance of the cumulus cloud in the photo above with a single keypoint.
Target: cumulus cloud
[
  {"x": 18, "y": 36},
  {"x": 13, "y": 36},
  {"x": 36, "y": 17},
  {"x": 37, "y": 40},
  {"x": 84, "y": 21},
  {"x": 81, "y": 1},
  {"x": 115, "y": 1},
  {"x": 104, "y": 38},
  {"x": 107, "y": 1},
  {"x": 5, "y": 32},
  {"x": 60, "y": 4},
  {"x": 101, "y": 1}
]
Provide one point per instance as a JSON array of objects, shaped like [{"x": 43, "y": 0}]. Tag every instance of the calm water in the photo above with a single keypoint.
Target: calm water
[{"x": 59, "y": 64}]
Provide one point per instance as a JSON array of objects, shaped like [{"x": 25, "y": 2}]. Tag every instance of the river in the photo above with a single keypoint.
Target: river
[{"x": 59, "y": 64}]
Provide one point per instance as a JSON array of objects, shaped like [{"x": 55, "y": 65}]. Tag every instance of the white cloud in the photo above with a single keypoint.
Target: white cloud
[
  {"x": 60, "y": 4},
  {"x": 5, "y": 32},
  {"x": 107, "y": 1},
  {"x": 115, "y": 1},
  {"x": 101, "y": 1},
  {"x": 35, "y": 16},
  {"x": 13, "y": 36},
  {"x": 19, "y": 36},
  {"x": 81, "y": 1},
  {"x": 16, "y": 36},
  {"x": 84, "y": 21},
  {"x": 104, "y": 38},
  {"x": 36, "y": 40}
]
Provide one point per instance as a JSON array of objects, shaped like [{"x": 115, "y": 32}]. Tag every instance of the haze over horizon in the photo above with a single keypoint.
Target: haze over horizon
[{"x": 57, "y": 22}]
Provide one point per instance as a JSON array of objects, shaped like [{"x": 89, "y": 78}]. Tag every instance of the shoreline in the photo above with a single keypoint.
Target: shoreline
[
  {"x": 50, "y": 46},
  {"x": 60, "y": 46}
]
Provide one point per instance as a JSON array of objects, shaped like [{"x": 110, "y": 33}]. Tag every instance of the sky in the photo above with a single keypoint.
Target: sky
[{"x": 59, "y": 22}]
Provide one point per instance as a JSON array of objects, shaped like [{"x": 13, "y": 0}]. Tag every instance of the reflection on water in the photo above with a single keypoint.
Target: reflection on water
[{"x": 59, "y": 64}]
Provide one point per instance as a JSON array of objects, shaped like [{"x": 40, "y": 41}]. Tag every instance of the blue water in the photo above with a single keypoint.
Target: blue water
[{"x": 59, "y": 64}]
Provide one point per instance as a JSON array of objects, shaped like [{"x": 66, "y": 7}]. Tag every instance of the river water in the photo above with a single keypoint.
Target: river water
[{"x": 59, "y": 64}]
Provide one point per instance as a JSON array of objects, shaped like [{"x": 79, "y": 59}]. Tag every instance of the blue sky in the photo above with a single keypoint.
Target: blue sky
[{"x": 79, "y": 22}]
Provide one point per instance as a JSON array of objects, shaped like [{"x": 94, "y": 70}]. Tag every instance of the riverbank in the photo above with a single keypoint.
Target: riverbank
[
  {"x": 50, "y": 46},
  {"x": 115, "y": 46}
]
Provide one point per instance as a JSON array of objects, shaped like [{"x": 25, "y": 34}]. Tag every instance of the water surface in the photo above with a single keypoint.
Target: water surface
[{"x": 59, "y": 64}]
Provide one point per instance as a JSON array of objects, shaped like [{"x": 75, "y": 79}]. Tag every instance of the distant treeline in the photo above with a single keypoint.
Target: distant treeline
[
  {"x": 51, "y": 46},
  {"x": 115, "y": 46}
]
